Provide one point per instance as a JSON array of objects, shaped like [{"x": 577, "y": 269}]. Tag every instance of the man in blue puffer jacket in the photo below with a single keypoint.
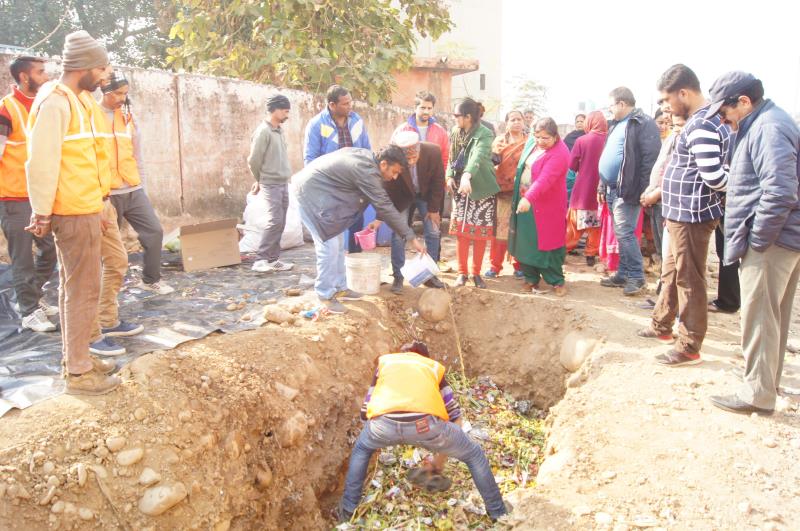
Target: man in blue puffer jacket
[
  {"x": 762, "y": 227},
  {"x": 336, "y": 127}
]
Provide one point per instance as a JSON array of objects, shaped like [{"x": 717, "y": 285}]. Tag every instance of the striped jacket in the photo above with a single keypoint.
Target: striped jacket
[{"x": 695, "y": 179}]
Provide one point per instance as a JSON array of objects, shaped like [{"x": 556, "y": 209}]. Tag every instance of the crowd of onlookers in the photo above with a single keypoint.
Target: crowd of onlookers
[
  {"x": 620, "y": 183},
  {"x": 623, "y": 181}
]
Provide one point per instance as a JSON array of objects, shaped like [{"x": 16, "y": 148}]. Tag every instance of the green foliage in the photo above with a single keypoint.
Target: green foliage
[
  {"x": 306, "y": 44},
  {"x": 134, "y": 31},
  {"x": 529, "y": 94}
]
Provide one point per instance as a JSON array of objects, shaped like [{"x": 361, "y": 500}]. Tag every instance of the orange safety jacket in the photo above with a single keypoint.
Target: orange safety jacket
[
  {"x": 12, "y": 164},
  {"x": 407, "y": 382},
  {"x": 120, "y": 149},
  {"x": 83, "y": 181}
]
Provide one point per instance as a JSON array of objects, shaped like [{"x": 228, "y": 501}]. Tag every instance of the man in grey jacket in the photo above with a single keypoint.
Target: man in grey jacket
[
  {"x": 333, "y": 191},
  {"x": 762, "y": 228},
  {"x": 269, "y": 164}
]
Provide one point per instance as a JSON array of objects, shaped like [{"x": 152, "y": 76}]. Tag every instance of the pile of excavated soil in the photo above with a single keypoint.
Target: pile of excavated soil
[
  {"x": 241, "y": 431},
  {"x": 246, "y": 432}
]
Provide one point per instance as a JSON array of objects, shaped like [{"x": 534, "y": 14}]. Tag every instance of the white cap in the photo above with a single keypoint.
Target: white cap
[{"x": 405, "y": 139}]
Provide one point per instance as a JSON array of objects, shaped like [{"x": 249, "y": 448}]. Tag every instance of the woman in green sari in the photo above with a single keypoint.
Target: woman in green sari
[
  {"x": 471, "y": 180},
  {"x": 537, "y": 230}
]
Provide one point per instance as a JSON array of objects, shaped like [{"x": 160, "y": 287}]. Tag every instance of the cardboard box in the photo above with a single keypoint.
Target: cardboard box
[{"x": 212, "y": 244}]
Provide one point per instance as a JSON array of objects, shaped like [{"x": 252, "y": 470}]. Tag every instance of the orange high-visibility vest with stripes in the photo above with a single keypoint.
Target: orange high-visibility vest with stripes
[
  {"x": 407, "y": 382},
  {"x": 120, "y": 150},
  {"x": 12, "y": 164},
  {"x": 80, "y": 183}
]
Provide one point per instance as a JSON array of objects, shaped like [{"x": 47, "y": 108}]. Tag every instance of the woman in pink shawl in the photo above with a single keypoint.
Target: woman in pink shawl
[{"x": 583, "y": 216}]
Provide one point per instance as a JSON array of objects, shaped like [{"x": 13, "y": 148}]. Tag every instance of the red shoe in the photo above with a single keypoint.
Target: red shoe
[
  {"x": 649, "y": 333},
  {"x": 673, "y": 358}
]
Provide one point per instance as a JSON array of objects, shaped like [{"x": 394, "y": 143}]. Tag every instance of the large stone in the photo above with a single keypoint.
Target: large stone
[
  {"x": 130, "y": 457},
  {"x": 434, "y": 305},
  {"x": 575, "y": 349},
  {"x": 149, "y": 477},
  {"x": 554, "y": 466},
  {"x": 158, "y": 500},
  {"x": 276, "y": 314},
  {"x": 293, "y": 430}
]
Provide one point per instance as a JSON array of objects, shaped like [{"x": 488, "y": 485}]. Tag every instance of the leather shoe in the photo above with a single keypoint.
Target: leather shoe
[
  {"x": 434, "y": 282},
  {"x": 734, "y": 404}
]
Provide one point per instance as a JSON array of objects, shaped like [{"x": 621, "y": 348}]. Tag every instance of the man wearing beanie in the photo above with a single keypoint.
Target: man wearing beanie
[
  {"x": 269, "y": 164},
  {"x": 65, "y": 188},
  {"x": 127, "y": 181}
]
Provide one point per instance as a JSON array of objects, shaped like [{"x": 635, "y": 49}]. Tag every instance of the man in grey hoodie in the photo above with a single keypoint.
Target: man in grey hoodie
[
  {"x": 269, "y": 164},
  {"x": 333, "y": 191}
]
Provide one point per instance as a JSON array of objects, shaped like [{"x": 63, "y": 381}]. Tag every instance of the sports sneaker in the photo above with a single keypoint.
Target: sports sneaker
[
  {"x": 673, "y": 358},
  {"x": 490, "y": 274},
  {"x": 334, "y": 306},
  {"x": 262, "y": 266},
  {"x": 649, "y": 333},
  {"x": 461, "y": 280},
  {"x": 349, "y": 295},
  {"x": 91, "y": 383},
  {"x": 123, "y": 329},
  {"x": 158, "y": 288},
  {"x": 47, "y": 309},
  {"x": 479, "y": 283},
  {"x": 106, "y": 347},
  {"x": 614, "y": 281},
  {"x": 519, "y": 274},
  {"x": 633, "y": 287},
  {"x": 104, "y": 366},
  {"x": 38, "y": 322}
]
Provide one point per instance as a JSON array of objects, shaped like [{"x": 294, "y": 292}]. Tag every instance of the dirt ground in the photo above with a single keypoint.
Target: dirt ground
[{"x": 252, "y": 430}]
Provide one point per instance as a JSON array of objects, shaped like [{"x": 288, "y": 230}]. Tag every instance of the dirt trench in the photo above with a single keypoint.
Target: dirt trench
[{"x": 253, "y": 430}]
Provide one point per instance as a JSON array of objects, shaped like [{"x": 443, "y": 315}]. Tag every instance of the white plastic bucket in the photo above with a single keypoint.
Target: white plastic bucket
[
  {"x": 363, "y": 271},
  {"x": 419, "y": 269}
]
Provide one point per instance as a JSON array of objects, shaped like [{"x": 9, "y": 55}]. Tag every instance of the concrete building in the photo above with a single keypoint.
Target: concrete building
[
  {"x": 434, "y": 75},
  {"x": 477, "y": 34}
]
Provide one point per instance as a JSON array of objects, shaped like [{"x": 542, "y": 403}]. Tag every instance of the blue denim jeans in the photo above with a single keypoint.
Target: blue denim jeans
[
  {"x": 443, "y": 437},
  {"x": 626, "y": 217},
  {"x": 330, "y": 261},
  {"x": 432, "y": 237}
]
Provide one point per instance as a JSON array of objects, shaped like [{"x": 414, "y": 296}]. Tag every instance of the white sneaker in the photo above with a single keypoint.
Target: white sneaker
[
  {"x": 156, "y": 287},
  {"x": 47, "y": 309},
  {"x": 262, "y": 266},
  {"x": 38, "y": 322}
]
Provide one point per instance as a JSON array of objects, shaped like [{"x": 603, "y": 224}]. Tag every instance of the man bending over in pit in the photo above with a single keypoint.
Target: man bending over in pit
[{"x": 410, "y": 402}]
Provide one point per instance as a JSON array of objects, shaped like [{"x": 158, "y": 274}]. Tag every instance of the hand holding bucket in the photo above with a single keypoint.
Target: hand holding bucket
[{"x": 366, "y": 238}]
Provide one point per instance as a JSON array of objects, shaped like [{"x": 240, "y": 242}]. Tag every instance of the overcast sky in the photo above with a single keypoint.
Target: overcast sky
[{"x": 581, "y": 49}]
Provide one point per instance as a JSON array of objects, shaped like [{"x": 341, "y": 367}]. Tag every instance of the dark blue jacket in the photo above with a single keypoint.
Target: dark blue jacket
[
  {"x": 763, "y": 207},
  {"x": 642, "y": 144}
]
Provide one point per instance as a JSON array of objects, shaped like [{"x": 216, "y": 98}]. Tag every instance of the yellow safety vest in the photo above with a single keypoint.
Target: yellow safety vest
[
  {"x": 12, "y": 164},
  {"x": 120, "y": 148},
  {"x": 407, "y": 382},
  {"x": 80, "y": 183}
]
